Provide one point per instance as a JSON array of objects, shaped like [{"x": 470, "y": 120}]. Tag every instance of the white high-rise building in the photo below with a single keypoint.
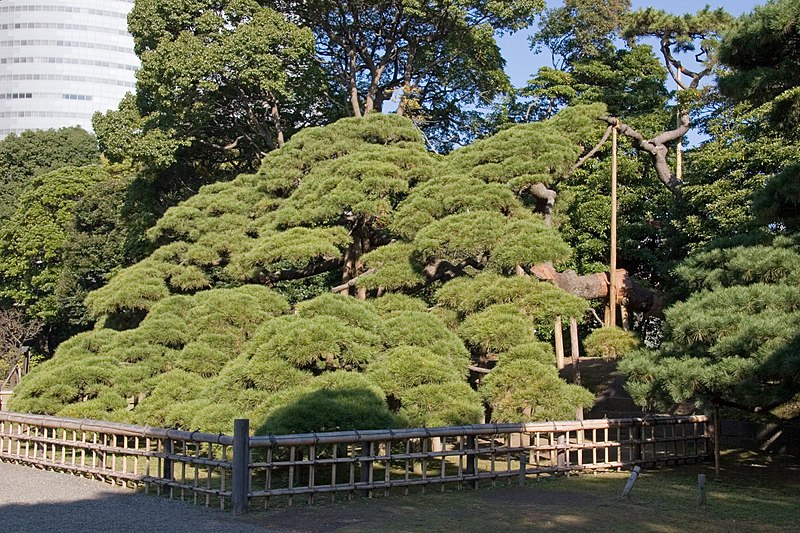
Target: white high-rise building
[{"x": 62, "y": 60}]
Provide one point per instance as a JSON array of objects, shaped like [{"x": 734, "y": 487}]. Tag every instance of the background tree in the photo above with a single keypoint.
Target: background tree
[
  {"x": 732, "y": 340},
  {"x": 222, "y": 81},
  {"x": 33, "y": 245},
  {"x": 435, "y": 58},
  {"x": 15, "y": 331},
  {"x": 761, "y": 54},
  {"x": 32, "y": 153}
]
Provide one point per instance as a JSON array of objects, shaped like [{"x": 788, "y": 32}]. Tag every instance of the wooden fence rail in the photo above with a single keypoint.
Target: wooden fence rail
[{"x": 241, "y": 471}]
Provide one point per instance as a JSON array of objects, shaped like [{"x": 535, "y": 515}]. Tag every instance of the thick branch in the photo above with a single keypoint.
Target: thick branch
[
  {"x": 350, "y": 283},
  {"x": 593, "y": 151},
  {"x": 630, "y": 293},
  {"x": 324, "y": 265},
  {"x": 539, "y": 190},
  {"x": 656, "y": 147},
  {"x": 717, "y": 400}
]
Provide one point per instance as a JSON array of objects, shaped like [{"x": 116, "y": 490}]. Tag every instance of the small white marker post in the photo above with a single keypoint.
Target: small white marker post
[{"x": 631, "y": 481}]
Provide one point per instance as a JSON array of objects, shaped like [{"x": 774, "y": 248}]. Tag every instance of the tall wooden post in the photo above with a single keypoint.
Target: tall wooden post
[
  {"x": 573, "y": 341},
  {"x": 558, "y": 332},
  {"x": 679, "y": 146},
  {"x": 612, "y": 289},
  {"x": 717, "y": 439}
]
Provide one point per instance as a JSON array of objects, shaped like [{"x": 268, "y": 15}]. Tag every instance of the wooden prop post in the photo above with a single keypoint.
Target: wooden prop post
[
  {"x": 701, "y": 490},
  {"x": 558, "y": 330},
  {"x": 573, "y": 341},
  {"x": 612, "y": 290}
]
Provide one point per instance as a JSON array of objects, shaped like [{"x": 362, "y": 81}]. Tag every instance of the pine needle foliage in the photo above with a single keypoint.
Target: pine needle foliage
[
  {"x": 204, "y": 329},
  {"x": 610, "y": 343}
]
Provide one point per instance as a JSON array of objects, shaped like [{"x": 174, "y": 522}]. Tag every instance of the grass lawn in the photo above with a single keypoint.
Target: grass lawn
[{"x": 753, "y": 493}]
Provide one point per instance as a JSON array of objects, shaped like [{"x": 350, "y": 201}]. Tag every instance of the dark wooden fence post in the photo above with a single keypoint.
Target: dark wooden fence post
[
  {"x": 523, "y": 468},
  {"x": 240, "y": 486},
  {"x": 472, "y": 460},
  {"x": 168, "y": 461},
  {"x": 365, "y": 469}
]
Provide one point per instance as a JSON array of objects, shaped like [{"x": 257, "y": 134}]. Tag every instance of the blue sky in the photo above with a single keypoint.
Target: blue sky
[{"x": 521, "y": 63}]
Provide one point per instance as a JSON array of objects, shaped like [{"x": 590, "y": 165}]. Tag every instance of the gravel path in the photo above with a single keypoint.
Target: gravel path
[{"x": 38, "y": 501}]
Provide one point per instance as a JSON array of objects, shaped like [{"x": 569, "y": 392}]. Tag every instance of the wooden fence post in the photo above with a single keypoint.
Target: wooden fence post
[
  {"x": 717, "y": 440},
  {"x": 240, "y": 484},
  {"x": 701, "y": 490},
  {"x": 365, "y": 469},
  {"x": 562, "y": 453},
  {"x": 523, "y": 468},
  {"x": 472, "y": 460},
  {"x": 167, "y": 474}
]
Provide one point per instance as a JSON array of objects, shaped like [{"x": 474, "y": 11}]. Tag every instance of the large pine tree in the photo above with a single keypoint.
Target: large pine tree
[{"x": 355, "y": 269}]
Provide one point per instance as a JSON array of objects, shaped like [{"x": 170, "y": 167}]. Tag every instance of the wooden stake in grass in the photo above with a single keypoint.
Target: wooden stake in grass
[
  {"x": 631, "y": 481},
  {"x": 701, "y": 490}
]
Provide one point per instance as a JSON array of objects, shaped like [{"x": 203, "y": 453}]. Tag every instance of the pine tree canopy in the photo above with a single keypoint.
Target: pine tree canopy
[{"x": 364, "y": 203}]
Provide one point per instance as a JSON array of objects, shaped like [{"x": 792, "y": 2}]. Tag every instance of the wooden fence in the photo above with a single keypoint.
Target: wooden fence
[{"x": 241, "y": 471}]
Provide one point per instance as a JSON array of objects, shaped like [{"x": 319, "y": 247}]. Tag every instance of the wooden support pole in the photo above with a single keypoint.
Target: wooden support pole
[
  {"x": 717, "y": 438},
  {"x": 472, "y": 460},
  {"x": 612, "y": 290},
  {"x": 559, "y": 337},
  {"x": 240, "y": 484},
  {"x": 523, "y": 468},
  {"x": 365, "y": 468},
  {"x": 574, "y": 347}
]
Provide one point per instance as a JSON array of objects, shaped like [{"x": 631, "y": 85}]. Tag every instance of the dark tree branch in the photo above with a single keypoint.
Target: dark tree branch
[
  {"x": 656, "y": 147},
  {"x": 312, "y": 269},
  {"x": 539, "y": 190},
  {"x": 591, "y": 152}
]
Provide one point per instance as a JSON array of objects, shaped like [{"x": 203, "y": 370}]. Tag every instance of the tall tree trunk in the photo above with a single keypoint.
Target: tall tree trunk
[
  {"x": 276, "y": 118},
  {"x": 371, "y": 102},
  {"x": 353, "y": 265},
  {"x": 353, "y": 87}
]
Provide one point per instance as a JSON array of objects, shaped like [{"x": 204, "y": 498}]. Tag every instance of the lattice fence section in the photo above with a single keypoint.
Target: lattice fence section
[
  {"x": 239, "y": 471},
  {"x": 187, "y": 465},
  {"x": 367, "y": 462}
]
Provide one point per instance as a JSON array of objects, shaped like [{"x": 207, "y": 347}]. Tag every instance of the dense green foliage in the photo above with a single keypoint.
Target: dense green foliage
[
  {"x": 362, "y": 199},
  {"x": 762, "y": 55},
  {"x": 36, "y": 152},
  {"x": 610, "y": 343},
  {"x": 732, "y": 341},
  {"x": 47, "y": 257},
  {"x": 247, "y": 254}
]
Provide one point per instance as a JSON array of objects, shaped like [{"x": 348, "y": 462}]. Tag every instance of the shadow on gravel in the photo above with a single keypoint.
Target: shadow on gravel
[{"x": 120, "y": 513}]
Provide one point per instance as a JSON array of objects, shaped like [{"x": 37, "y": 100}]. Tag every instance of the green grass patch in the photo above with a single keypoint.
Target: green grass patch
[{"x": 753, "y": 493}]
